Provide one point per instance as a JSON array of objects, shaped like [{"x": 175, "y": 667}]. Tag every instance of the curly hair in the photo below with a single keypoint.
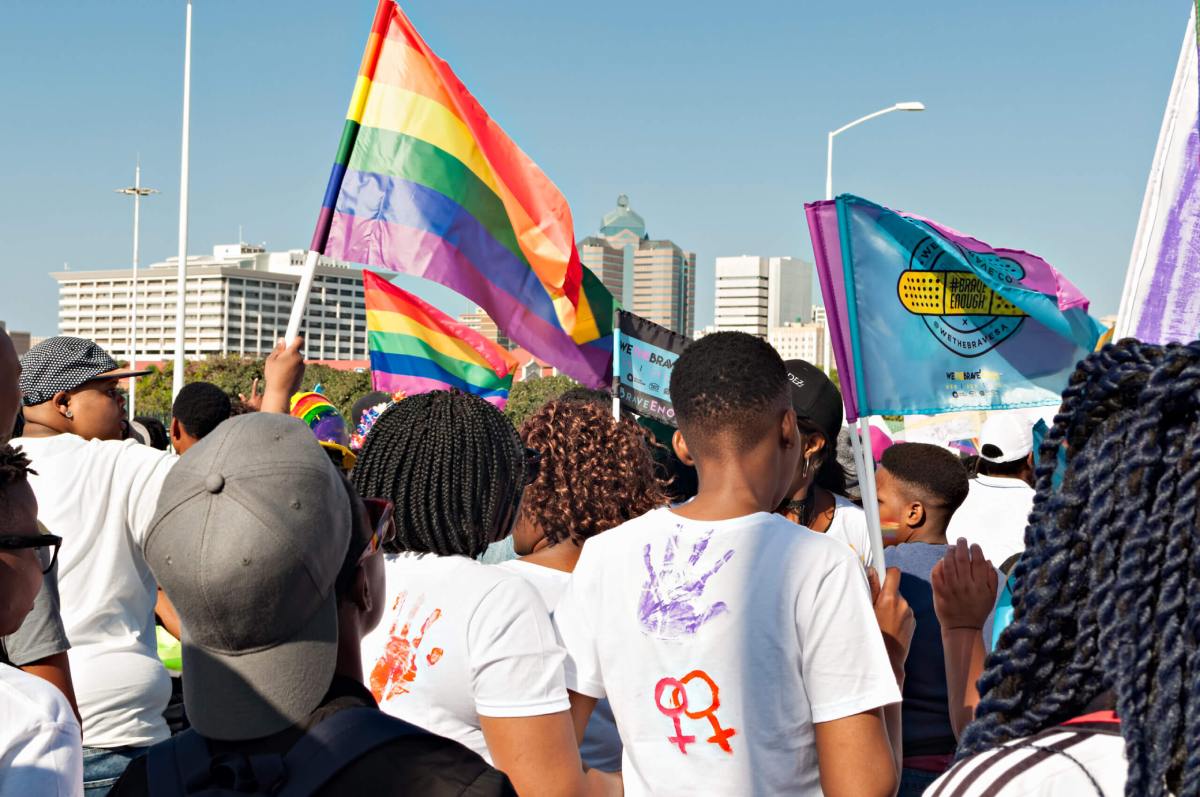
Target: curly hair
[
  {"x": 1105, "y": 597},
  {"x": 595, "y": 472}
]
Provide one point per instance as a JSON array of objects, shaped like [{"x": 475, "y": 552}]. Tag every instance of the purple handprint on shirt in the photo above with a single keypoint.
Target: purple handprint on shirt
[{"x": 671, "y": 597}]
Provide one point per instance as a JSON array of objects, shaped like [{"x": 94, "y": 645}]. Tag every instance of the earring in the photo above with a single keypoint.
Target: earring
[
  {"x": 807, "y": 466},
  {"x": 70, "y": 415}
]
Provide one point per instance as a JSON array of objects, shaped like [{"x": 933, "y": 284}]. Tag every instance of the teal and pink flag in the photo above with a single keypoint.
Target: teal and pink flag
[{"x": 924, "y": 319}]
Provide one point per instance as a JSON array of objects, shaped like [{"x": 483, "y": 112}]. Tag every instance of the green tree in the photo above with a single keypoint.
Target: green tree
[
  {"x": 236, "y": 375},
  {"x": 526, "y": 397}
]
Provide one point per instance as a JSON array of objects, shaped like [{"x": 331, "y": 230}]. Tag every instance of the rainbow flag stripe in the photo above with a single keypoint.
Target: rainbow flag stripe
[
  {"x": 425, "y": 183},
  {"x": 416, "y": 348}
]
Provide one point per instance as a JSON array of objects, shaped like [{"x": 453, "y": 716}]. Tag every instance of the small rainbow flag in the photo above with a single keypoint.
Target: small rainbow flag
[
  {"x": 416, "y": 348},
  {"x": 425, "y": 183}
]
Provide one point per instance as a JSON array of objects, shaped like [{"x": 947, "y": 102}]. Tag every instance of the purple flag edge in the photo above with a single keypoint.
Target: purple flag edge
[{"x": 833, "y": 292}]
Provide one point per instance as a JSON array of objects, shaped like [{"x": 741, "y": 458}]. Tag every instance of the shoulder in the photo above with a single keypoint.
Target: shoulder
[
  {"x": 1077, "y": 762},
  {"x": 30, "y": 703}
]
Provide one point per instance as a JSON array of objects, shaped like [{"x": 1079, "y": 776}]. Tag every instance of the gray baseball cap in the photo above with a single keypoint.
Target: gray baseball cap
[{"x": 251, "y": 529}]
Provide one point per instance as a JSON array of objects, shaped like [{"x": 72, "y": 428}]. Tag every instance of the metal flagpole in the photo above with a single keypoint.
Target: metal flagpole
[
  {"x": 616, "y": 371},
  {"x": 181, "y": 280},
  {"x": 137, "y": 192}
]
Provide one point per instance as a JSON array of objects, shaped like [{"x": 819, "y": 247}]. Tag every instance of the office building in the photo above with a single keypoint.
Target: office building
[
  {"x": 238, "y": 301},
  {"x": 481, "y": 322},
  {"x": 658, "y": 277},
  {"x": 799, "y": 342},
  {"x": 606, "y": 261},
  {"x": 755, "y": 294},
  {"x": 21, "y": 341}
]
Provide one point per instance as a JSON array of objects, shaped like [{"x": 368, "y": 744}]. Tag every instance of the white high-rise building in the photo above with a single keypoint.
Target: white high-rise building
[
  {"x": 799, "y": 342},
  {"x": 238, "y": 302},
  {"x": 755, "y": 294}
]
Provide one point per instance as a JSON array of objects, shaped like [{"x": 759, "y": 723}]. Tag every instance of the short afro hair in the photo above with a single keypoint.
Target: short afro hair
[
  {"x": 723, "y": 384},
  {"x": 201, "y": 407},
  {"x": 934, "y": 475}
]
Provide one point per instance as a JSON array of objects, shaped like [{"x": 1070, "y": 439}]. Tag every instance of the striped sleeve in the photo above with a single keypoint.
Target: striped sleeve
[{"x": 1055, "y": 762}]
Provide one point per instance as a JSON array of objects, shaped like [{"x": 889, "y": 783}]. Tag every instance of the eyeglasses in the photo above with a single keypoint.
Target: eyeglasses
[
  {"x": 381, "y": 512},
  {"x": 45, "y": 545}
]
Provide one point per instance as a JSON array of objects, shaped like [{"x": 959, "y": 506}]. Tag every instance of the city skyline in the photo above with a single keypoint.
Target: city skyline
[{"x": 999, "y": 154}]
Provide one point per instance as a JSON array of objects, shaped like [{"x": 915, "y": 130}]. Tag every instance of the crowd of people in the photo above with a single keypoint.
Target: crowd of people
[{"x": 262, "y": 597}]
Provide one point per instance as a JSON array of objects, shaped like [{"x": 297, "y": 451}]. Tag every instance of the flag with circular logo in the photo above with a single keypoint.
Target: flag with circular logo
[{"x": 924, "y": 319}]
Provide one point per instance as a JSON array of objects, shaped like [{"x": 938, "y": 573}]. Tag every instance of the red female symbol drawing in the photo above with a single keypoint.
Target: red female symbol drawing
[{"x": 679, "y": 705}]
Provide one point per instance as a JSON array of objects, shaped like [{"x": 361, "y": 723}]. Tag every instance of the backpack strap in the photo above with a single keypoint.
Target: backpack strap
[
  {"x": 178, "y": 765},
  {"x": 334, "y": 743}
]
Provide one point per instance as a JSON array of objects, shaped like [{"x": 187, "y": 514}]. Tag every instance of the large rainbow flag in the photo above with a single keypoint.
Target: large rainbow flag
[
  {"x": 425, "y": 183},
  {"x": 416, "y": 348}
]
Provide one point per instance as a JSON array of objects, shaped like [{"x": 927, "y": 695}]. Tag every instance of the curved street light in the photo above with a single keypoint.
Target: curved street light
[{"x": 900, "y": 106}]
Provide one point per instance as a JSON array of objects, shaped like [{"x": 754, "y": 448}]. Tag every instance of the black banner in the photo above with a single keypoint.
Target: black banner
[{"x": 646, "y": 355}]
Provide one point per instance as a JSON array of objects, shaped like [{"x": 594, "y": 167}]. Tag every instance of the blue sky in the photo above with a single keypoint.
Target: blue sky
[{"x": 711, "y": 116}]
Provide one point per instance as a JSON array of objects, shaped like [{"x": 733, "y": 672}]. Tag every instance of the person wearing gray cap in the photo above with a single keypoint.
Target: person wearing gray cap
[
  {"x": 260, "y": 542},
  {"x": 98, "y": 492}
]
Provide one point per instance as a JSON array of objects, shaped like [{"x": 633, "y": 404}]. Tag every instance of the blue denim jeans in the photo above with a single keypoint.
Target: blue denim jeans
[{"x": 103, "y": 766}]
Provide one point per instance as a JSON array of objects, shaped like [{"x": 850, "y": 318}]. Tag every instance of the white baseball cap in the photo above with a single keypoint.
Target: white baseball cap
[{"x": 1005, "y": 438}]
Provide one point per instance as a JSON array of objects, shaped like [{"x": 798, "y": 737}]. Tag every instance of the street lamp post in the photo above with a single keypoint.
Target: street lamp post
[
  {"x": 861, "y": 442},
  {"x": 827, "y": 348},
  {"x": 137, "y": 192},
  {"x": 900, "y": 106}
]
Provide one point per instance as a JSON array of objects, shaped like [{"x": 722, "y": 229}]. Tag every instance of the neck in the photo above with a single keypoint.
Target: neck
[
  {"x": 35, "y": 429},
  {"x": 730, "y": 489},
  {"x": 349, "y": 648},
  {"x": 933, "y": 535},
  {"x": 561, "y": 556}
]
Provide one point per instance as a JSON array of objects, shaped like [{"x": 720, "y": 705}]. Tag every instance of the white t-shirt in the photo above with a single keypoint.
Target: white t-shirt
[
  {"x": 849, "y": 525},
  {"x": 39, "y": 739},
  {"x": 719, "y": 645},
  {"x": 1017, "y": 769},
  {"x": 994, "y": 517},
  {"x": 99, "y": 496},
  {"x": 460, "y": 639},
  {"x": 601, "y": 745}
]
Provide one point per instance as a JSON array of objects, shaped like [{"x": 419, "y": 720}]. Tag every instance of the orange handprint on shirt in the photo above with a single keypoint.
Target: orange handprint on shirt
[{"x": 397, "y": 667}]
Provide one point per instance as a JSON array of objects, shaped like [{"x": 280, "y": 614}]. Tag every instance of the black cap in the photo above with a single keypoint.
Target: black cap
[
  {"x": 815, "y": 397},
  {"x": 65, "y": 363}
]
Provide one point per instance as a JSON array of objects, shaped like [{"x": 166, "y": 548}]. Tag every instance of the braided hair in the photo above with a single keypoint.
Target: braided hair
[
  {"x": 452, "y": 465},
  {"x": 1105, "y": 596}
]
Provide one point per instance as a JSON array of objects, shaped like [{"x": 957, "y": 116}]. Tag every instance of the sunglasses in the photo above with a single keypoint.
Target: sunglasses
[
  {"x": 383, "y": 530},
  {"x": 45, "y": 545}
]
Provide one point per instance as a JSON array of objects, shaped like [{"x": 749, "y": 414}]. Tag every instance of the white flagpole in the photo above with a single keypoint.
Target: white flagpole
[
  {"x": 616, "y": 372},
  {"x": 298, "y": 306},
  {"x": 866, "y": 487},
  {"x": 181, "y": 280}
]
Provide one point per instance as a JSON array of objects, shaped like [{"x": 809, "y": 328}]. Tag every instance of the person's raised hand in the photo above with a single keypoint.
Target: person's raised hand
[
  {"x": 282, "y": 373},
  {"x": 964, "y": 587},
  {"x": 254, "y": 400},
  {"x": 894, "y": 615}
]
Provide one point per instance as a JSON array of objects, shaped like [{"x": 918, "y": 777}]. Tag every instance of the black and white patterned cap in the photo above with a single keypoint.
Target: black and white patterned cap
[{"x": 65, "y": 363}]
